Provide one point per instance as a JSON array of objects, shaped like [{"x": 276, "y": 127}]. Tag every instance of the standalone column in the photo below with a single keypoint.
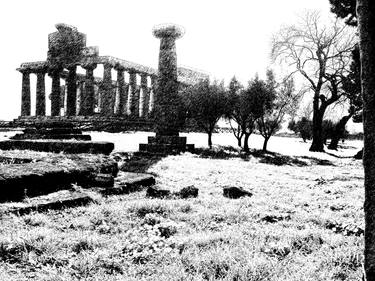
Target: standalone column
[
  {"x": 144, "y": 97},
  {"x": 106, "y": 92},
  {"x": 55, "y": 92},
  {"x": 120, "y": 90},
  {"x": 133, "y": 99},
  {"x": 40, "y": 93},
  {"x": 71, "y": 98},
  {"x": 166, "y": 107},
  {"x": 88, "y": 98},
  {"x": 25, "y": 95}
]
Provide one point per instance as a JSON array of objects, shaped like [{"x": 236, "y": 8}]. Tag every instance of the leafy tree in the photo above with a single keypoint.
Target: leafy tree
[
  {"x": 302, "y": 127},
  {"x": 351, "y": 86},
  {"x": 366, "y": 19},
  {"x": 207, "y": 104},
  {"x": 284, "y": 101},
  {"x": 235, "y": 111},
  {"x": 345, "y": 9},
  {"x": 321, "y": 55},
  {"x": 254, "y": 100}
]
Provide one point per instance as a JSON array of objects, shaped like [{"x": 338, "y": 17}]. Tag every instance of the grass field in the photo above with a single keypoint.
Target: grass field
[{"x": 303, "y": 222}]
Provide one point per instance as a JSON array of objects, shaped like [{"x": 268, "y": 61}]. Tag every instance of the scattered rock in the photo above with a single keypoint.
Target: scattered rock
[
  {"x": 274, "y": 218},
  {"x": 103, "y": 180},
  {"x": 345, "y": 228},
  {"x": 337, "y": 207},
  {"x": 188, "y": 192},
  {"x": 130, "y": 182},
  {"x": 155, "y": 192},
  {"x": 235, "y": 192}
]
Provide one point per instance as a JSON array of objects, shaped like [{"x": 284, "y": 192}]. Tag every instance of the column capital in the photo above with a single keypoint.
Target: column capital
[
  {"x": 89, "y": 66},
  {"x": 24, "y": 70},
  {"x": 119, "y": 67},
  {"x": 108, "y": 65}
]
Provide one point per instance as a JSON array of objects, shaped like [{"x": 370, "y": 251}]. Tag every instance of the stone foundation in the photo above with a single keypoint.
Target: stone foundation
[{"x": 166, "y": 145}]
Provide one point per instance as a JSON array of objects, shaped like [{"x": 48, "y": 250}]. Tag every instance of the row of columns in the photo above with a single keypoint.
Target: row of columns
[{"x": 122, "y": 99}]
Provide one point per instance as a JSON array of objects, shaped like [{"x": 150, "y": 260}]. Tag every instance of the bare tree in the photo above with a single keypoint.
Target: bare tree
[
  {"x": 321, "y": 55},
  {"x": 366, "y": 18}
]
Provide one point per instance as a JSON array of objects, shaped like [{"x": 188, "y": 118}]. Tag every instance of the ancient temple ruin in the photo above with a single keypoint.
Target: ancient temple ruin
[{"x": 85, "y": 96}]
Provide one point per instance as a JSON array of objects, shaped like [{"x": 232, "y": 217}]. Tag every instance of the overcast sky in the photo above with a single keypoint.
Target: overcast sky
[{"x": 223, "y": 38}]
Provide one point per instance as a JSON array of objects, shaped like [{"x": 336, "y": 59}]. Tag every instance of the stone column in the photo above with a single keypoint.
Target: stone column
[
  {"x": 166, "y": 107},
  {"x": 106, "y": 92},
  {"x": 120, "y": 90},
  {"x": 40, "y": 104},
  {"x": 80, "y": 93},
  {"x": 88, "y": 99},
  {"x": 55, "y": 92},
  {"x": 71, "y": 98},
  {"x": 133, "y": 99},
  {"x": 143, "y": 97},
  {"x": 152, "y": 94},
  {"x": 25, "y": 95}
]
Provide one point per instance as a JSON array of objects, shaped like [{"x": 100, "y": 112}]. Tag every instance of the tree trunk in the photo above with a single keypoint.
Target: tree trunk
[
  {"x": 317, "y": 144},
  {"x": 210, "y": 139},
  {"x": 239, "y": 140},
  {"x": 338, "y": 132},
  {"x": 366, "y": 18},
  {"x": 265, "y": 144},
  {"x": 246, "y": 142}
]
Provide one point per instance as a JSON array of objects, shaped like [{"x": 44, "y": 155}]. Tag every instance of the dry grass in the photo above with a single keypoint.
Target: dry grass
[{"x": 303, "y": 222}]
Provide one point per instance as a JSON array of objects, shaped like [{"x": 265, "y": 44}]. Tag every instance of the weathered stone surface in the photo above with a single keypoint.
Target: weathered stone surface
[
  {"x": 188, "y": 192},
  {"x": 130, "y": 182},
  {"x": 56, "y": 200},
  {"x": 51, "y": 173},
  {"x": 59, "y": 146},
  {"x": 103, "y": 180},
  {"x": 234, "y": 192},
  {"x": 156, "y": 192}
]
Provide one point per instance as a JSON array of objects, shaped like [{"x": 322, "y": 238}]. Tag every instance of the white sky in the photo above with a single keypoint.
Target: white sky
[{"x": 223, "y": 38}]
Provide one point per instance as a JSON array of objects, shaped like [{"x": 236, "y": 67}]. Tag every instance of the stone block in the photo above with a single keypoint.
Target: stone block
[
  {"x": 56, "y": 200},
  {"x": 59, "y": 146},
  {"x": 234, "y": 192}
]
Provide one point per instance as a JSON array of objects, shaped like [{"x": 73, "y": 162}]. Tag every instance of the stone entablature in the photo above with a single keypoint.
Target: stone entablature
[{"x": 86, "y": 95}]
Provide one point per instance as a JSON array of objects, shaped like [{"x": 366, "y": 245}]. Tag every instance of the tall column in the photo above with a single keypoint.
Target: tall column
[
  {"x": 133, "y": 95},
  {"x": 120, "y": 90},
  {"x": 71, "y": 98},
  {"x": 152, "y": 94},
  {"x": 25, "y": 95},
  {"x": 55, "y": 92},
  {"x": 166, "y": 107},
  {"x": 40, "y": 105},
  {"x": 143, "y": 97},
  {"x": 80, "y": 93},
  {"x": 88, "y": 98},
  {"x": 106, "y": 92}
]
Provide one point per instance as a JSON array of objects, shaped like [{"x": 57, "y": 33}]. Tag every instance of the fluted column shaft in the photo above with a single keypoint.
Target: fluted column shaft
[
  {"x": 71, "y": 99},
  {"x": 133, "y": 94},
  {"x": 25, "y": 95},
  {"x": 40, "y": 105},
  {"x": 144, "y": 97},
  {"x": 88, "y": 98},
  {"x": 106, "y": 92},
  {"x": 55, "y": 92},
  {"x": 120, "y": 91}
]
